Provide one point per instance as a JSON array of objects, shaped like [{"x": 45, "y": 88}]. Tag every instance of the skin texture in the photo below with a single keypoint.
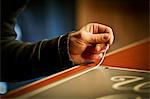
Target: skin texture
[{"x": 90, "y": 42}]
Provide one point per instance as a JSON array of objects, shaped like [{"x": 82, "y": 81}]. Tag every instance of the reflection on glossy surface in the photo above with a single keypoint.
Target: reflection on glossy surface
[
  {"x": 121, "y": 96},
  {"x": 3, "y": 87}
]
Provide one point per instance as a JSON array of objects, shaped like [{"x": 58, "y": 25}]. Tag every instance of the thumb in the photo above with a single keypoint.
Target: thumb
[{"x": 99, "y": 38}]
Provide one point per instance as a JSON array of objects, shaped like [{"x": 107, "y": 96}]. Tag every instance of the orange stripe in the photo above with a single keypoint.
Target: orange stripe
[
  {"x": 136, "y": 57},
  {"x": 43, "y": 83}
]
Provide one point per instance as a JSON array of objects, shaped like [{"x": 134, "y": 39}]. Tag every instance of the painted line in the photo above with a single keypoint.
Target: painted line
[
  {"x": 41, "y": 80},
  {"x": 125, "y": 69},
  {"x": 28, "y": 95}
]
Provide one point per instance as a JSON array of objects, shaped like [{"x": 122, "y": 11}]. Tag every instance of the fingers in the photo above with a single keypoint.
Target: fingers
[
  {"x": 92, "y": 56},
  {"x": 101, "y": 48},
  {"x": 97, "y": 49},
  {"x": 95, "y": 28},
  {"x": 90, "y": 42},
  {"x": 99, "y": 38},
  {"x": 109, "y": 30}
]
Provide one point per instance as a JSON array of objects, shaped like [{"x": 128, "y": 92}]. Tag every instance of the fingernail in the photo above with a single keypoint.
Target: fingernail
[{"x": 106, "y": 37}]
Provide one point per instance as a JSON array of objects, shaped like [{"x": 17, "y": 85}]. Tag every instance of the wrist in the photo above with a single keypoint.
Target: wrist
[
  {"x": 63, "y": 48},
  {"x": 76, "y": 47}
]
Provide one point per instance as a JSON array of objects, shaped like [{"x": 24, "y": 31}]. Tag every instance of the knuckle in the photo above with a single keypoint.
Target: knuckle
[{"x": 109, "y": 29}]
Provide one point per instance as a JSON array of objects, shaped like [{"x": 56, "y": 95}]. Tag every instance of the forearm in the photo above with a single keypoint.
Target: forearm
[{"x": 22, "y": 61}]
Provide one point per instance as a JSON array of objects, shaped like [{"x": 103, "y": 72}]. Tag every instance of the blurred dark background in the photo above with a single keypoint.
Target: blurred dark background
[
  {"x": 128, "y": 18},
  {"x": 51, "y": 18},
  {"x": 46, "y": 19}
]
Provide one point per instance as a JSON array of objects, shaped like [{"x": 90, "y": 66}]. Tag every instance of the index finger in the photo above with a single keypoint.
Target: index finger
[
  {"x": 96, "y": 28},
  {"x": 110, "y": 31}
]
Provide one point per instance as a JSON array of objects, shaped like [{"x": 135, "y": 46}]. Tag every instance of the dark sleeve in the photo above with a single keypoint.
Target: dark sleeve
[{"x": 24, "y": 60}]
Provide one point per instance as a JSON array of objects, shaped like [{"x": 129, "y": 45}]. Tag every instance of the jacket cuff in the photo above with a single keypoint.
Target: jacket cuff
[{"x": 63, "y": 49}]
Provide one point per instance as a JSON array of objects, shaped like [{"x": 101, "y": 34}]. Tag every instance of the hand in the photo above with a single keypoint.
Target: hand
[{"x": 90, "y": 42}]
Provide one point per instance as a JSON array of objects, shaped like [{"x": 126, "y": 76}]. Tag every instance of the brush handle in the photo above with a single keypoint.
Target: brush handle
[{"x": 102, "y": 59}]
